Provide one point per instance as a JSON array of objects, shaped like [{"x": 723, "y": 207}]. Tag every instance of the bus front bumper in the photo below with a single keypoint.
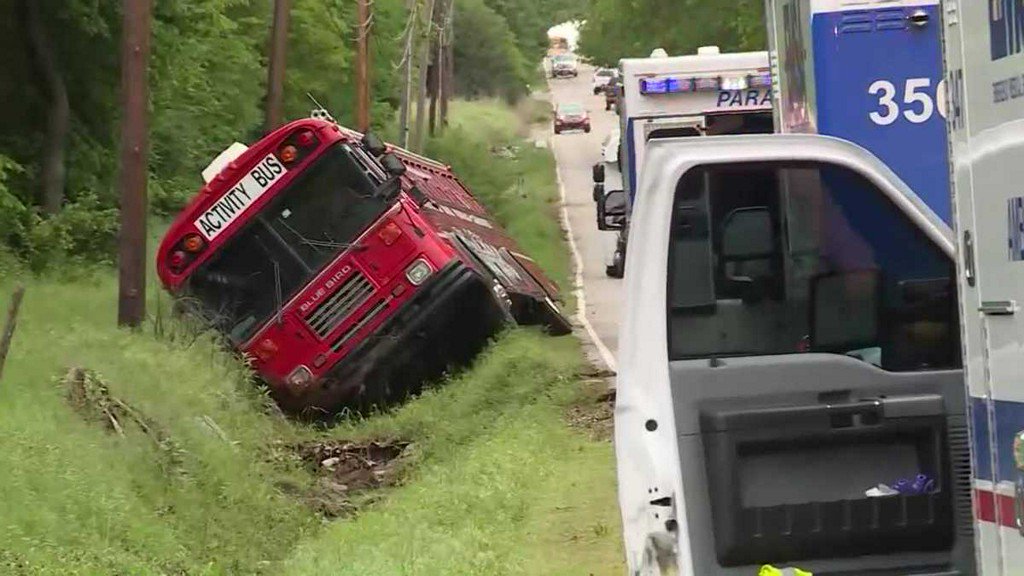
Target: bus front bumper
[{"x": 407, "y": 341}]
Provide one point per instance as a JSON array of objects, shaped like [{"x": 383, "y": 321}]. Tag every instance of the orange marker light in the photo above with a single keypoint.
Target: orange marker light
[
  {"x": 288, "y": 154},
  {"x": 192, "y": 243}
]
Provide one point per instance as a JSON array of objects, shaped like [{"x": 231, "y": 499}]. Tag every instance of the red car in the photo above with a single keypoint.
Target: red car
[{"x": 571, "y": 117}]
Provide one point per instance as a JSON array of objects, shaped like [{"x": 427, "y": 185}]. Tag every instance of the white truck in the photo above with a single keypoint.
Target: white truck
[
  {"x": 706, "y": 93},
  {"x": 799, "y": 383}
]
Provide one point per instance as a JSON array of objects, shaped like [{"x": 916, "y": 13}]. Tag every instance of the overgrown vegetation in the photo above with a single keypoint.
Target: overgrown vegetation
[
  {"x": 211, "y": 482},
  {"x": 617, "y": 29}
]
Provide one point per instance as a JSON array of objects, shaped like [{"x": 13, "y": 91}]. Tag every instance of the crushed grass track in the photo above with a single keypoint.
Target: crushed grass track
[{"x": 495, "y": 482}]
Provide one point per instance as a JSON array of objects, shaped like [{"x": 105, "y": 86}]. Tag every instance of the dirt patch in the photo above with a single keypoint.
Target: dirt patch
[
  {"x": 90, "y": 396},
  {"x": 346, "y": 471},
  {"x": 594, "y": 413}
]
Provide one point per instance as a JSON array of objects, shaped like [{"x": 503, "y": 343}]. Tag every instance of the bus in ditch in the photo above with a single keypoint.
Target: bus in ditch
[{"x": 347, "y": 270}]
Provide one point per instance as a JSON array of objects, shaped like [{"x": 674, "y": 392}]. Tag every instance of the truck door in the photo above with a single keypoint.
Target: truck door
[{"x": 791, "y": 331}]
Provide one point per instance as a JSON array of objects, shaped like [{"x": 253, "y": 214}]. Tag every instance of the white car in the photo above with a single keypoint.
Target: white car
[{"x": 602, "y": 77}]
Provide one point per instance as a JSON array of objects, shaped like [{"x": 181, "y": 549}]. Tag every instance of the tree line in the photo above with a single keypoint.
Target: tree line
[
  {"x": 60, "y": 86},
  {"x": 617, "y": 29}
]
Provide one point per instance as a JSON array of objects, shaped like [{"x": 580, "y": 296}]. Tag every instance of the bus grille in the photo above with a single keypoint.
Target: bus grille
[
  {"x": 366, "y": 319},
  {"x": 352, "y": 294}
]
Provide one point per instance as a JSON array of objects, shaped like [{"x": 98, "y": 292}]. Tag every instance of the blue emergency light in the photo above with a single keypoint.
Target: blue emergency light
[
  {"x": 665, "y": 85},
  {"x": 763, "y": 80}
]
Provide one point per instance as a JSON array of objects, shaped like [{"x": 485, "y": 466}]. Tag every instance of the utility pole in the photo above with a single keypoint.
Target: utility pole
[
  {"x": 403, "y": 113},
  {"x": 275, "y": 75},
  {"x": 448, "y": 70},
  {"x": 421, "y": 91},
  {"x": 436, "y": 77},
  {"x": 363, "y": 67},
  {"x": 131, "y": 303}
]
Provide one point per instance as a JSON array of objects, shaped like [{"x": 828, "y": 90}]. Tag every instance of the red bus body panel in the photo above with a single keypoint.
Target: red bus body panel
[{"x": 440, "y": 223}]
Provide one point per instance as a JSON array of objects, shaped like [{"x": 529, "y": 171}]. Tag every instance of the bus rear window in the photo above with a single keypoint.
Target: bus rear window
[{"x": 769, "y": 259}]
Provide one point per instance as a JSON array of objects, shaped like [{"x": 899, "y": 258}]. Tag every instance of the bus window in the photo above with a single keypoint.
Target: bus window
[{"x": 779, "y": 259}]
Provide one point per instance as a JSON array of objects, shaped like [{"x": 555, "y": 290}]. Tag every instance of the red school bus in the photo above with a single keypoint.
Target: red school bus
[{"x": 346, "y": 269}]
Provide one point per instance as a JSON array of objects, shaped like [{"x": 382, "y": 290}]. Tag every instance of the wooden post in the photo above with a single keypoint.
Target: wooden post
[
  {"x": 448, "y": 70},
  {"x": 363, "y": 67},
  {"x": 403, "y": 112},
  {"x": 12, "y": 321},
  {"x": 421, "y": 92},
  {"x": 275, "y": 74},
  {"x": 131, "y": 304}
]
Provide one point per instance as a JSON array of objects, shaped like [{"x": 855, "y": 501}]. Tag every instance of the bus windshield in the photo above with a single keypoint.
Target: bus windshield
[{"x": 286, "y": 244}]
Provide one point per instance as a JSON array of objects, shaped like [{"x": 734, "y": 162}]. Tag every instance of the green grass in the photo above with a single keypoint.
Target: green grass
[
  {"x": 500, "y": 484},
  {"x": 495, "y": 482}
]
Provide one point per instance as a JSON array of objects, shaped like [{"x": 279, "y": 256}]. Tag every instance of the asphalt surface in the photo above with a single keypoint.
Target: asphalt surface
[{"x": 576, "y": 153}]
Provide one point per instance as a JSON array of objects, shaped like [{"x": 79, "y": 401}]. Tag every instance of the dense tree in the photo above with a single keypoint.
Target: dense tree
[
  {"x": 487, "y": 61},
  {"x": 529, "y": 20},
  {"x": 617, "y": 29},
  {"x": 61, "y": 94}
]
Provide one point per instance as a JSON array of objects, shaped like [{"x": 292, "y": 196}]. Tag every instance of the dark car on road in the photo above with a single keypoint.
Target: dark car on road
[
  {"x": 571, "y": 117},
  {"x": 611, "y": 93}
]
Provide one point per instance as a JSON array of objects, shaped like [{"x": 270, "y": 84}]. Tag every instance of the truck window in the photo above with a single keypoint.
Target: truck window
[{"x": 782, "y": 259}]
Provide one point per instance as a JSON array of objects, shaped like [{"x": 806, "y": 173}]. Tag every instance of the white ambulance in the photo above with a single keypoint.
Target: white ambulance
[{"x": 707, "y": 93}]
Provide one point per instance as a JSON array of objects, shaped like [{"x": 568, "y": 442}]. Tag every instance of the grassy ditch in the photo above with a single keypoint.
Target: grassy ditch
[{"x": 200, "y": 475}]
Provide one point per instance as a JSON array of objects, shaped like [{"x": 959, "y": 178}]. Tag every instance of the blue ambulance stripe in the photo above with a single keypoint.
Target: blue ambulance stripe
[{"x": 1009, "y": 421}]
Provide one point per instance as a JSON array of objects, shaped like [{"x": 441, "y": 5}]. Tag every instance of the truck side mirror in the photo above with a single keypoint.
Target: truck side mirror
[
  {"x": 598, "y": 171},
  {"x": 611, "y": 211}
]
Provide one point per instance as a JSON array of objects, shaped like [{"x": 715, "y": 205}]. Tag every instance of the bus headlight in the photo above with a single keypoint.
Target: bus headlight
[
  {"x": 418, "y": 272},
  {"x": 299, "y": 379}
]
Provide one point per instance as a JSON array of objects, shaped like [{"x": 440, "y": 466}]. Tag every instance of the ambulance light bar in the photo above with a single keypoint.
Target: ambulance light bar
[
  {"x": 734, "y": 83},
  {"x": 665, "y": 85},
  {"x": 762, "y": 80}
]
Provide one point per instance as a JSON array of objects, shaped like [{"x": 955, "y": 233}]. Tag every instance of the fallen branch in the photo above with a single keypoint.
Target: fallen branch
[{"x": 12, "y": 321}]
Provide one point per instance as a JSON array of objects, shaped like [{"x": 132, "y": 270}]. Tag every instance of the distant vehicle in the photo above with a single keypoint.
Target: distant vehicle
[
  {"x": 708, "y": 93},
  {"x": 611, "y": 92},
  {"x": 602, "y": 78},
  {"x": 346, "y": 269},
  {"x": 571, "y": 117},
  {"x": 564, "y": 65}
]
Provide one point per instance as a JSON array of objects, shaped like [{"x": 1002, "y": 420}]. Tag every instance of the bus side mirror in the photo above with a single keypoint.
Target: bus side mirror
[
  {"x": 374, "y": 145},
  {"x": 598, "y": 192},
  {"x": 611, "y": 211},
  {"x": 598, "y": 173},
  {"x": 393, "y": 165}
]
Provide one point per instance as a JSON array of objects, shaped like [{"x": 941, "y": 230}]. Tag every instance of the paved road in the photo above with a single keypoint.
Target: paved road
[{"x": 576, "y": 153}]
